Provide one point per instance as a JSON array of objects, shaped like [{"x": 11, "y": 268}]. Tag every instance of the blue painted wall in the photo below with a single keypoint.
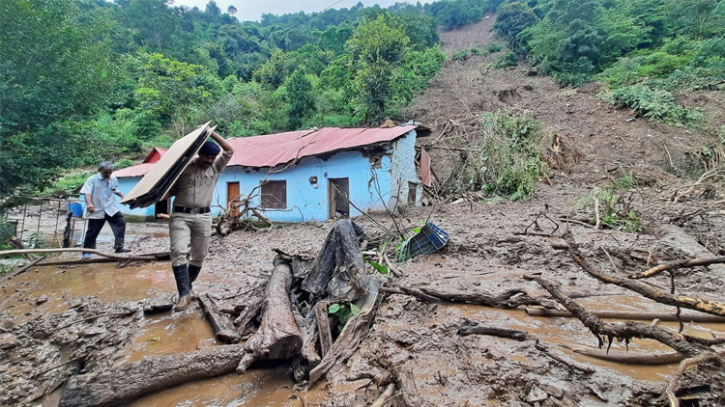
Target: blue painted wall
[{"x": 369, "y": 180}]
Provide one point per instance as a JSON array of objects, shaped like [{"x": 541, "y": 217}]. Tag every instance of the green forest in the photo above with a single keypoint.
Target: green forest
[{"x": 85, "y": 80}]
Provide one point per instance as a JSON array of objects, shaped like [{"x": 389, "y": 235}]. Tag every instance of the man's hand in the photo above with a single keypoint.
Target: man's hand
[{"x": 91, "y": 208}]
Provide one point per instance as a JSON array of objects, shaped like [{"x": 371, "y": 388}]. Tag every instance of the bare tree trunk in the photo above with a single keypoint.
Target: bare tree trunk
[
  {"x": 278, "y": 337},
  {"x": 130, "y": 381}
]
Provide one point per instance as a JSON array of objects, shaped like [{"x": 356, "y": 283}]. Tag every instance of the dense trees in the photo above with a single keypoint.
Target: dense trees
[
  {"x": 88, "y": 80},
  {"x": 55, "y": 67}
]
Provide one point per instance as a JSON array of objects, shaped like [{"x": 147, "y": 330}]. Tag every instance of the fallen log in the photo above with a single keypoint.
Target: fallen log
[
  {"x": 163, "y": 256},
  {"x": 510, "y": 299},
  {"x": 278, "y": 336},
  {"x": 500, "y": 332},
  {"x": 631, "y": 315},
  {"x": 524, "y": 336},
  {"x": 352, "y": 334},
  {"x": 323, "y": 327},
  {"x": 308, "y": 328},
  {"x": 677, "y": 265},
  {"x": 681, "y": 343},
  {"x": 130, "y": 381},
  {"x": 78, "y": 250},
  {"x": 682, "y": 301},
  {"x": 222, "y": 326},
  {"x": 629, "y": 358}
]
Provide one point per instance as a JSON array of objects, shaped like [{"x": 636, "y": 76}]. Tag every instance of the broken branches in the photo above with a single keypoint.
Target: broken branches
[
  {"x": 697, "y": 304},
  {"x": 624, "y": 331},
  {"x": 510, "y": 299},
  {"x": 676, "y": 265},
  {"x": 629, "y": 358}
]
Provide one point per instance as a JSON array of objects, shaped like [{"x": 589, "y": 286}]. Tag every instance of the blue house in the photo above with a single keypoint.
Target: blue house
[{"x": 312, "y": 174}]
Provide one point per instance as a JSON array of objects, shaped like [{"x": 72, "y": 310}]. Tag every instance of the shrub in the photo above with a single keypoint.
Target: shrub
[
  {"x": 655, "y": 104},
  {"x": 493, "y": 48},
  {"x": 124, "y": 163},
  {"x": 460, "y": 55},
  {"x": 475, "y": 52},
  {"x": 505, "y": 60}
]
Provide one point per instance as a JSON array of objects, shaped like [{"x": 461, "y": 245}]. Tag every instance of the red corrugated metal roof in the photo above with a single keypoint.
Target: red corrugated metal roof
[
  {"x": 155, "y": 155},
  {"x": 141, "y": 169},
  {"x": 281, "y": 148},
  {"x": 275, "y": 149}
]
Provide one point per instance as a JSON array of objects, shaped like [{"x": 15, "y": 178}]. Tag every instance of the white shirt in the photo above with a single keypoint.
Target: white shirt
[{"x": 102, "y": 194}]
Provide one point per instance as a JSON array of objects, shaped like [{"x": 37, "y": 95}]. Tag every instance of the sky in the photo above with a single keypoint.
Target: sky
[{"x": 253, "y": 10}]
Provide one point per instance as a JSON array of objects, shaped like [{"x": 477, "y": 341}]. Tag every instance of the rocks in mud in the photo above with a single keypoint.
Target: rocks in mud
[
  {"x": 41, "y": 300},
  {"x": 8, "y": 341},
  {"x": 536, "y": 395}
]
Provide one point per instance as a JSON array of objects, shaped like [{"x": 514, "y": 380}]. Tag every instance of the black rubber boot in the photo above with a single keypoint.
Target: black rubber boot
[
  {"x": 193, "y": 273},
  {"x": 181, "y": 274}
]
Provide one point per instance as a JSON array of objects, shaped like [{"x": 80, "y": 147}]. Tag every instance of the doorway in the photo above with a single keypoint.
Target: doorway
[
  {"x": 232, "y": 194},
  {"x": 339, "y": 197}
]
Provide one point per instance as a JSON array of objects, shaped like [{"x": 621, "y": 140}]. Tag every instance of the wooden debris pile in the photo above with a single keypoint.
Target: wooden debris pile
[{"x": 286, "y": 319}]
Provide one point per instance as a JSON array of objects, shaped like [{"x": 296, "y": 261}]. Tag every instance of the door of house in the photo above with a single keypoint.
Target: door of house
[
  {"x": 232, "y": 194},
  {"x": 339, "y": 197}
]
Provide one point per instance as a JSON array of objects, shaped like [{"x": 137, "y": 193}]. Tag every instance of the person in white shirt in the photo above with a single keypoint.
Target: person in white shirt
[{"x": 99, "y": 192}]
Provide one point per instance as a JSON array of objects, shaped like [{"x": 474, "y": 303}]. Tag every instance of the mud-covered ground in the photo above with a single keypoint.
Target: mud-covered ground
[{"x": 412, "y": 343}]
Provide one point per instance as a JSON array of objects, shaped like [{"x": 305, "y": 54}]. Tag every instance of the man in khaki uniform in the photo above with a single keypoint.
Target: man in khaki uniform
[{"x": 191, "y": 217}]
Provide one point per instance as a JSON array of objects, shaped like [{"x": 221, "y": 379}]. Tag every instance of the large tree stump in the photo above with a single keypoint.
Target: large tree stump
[
  {"x": 130, "y": 381},
  {"x": 339, "y": 267},
  {"x": 278, "y": 337}
]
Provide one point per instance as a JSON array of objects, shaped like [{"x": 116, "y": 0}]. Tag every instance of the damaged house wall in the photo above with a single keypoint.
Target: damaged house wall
[
  {"x": 403, "y": 173},
  {"x": 307, "y": 200}
]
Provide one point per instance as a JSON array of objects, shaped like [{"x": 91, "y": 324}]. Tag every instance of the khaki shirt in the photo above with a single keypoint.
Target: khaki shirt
[{"x": 195, "y": 187}]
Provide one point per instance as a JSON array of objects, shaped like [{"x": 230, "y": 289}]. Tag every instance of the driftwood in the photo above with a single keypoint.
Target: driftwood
[
  {"x": 631, "y": 315},
  {"x": 684, "y": 344},
  {"x": 682, "y": 301},
  {"x": 308, "y": 328},
  {"x": 524, "y": 336},
  {"x": 707, "y": 357},
  {"x": 352, "y": 334},
  {"x": 162, "y": 256},
  {"x": 677, "y": 265},
  {"x": 323, "y": 326},
  {"x": 25, "y": 268},
  {"x": 222, "y": 326},
  {"x": 278, "y": 336},
  {"x": 132, "y": 380},
  {"x": 629, "y": 358},
  {"x": 79, "y": 250},
  {"x": 510, "y": 299},
  {"x": 385, "y": 397}
]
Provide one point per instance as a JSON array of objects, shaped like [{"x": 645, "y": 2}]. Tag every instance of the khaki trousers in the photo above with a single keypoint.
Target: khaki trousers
[{"x": 185, "y": 229}]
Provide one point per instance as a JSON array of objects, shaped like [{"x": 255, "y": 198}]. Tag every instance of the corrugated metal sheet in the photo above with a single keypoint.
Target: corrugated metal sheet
[
  {"x": 276, "y": 149},
  {"x": 141, "y": 169}
]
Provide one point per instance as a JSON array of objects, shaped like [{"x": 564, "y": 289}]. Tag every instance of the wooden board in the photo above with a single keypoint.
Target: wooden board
[{"x": 155, "y": 185}]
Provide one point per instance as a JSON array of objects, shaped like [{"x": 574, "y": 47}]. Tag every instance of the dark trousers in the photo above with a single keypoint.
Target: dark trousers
[{"x": 118, "y": 226}]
